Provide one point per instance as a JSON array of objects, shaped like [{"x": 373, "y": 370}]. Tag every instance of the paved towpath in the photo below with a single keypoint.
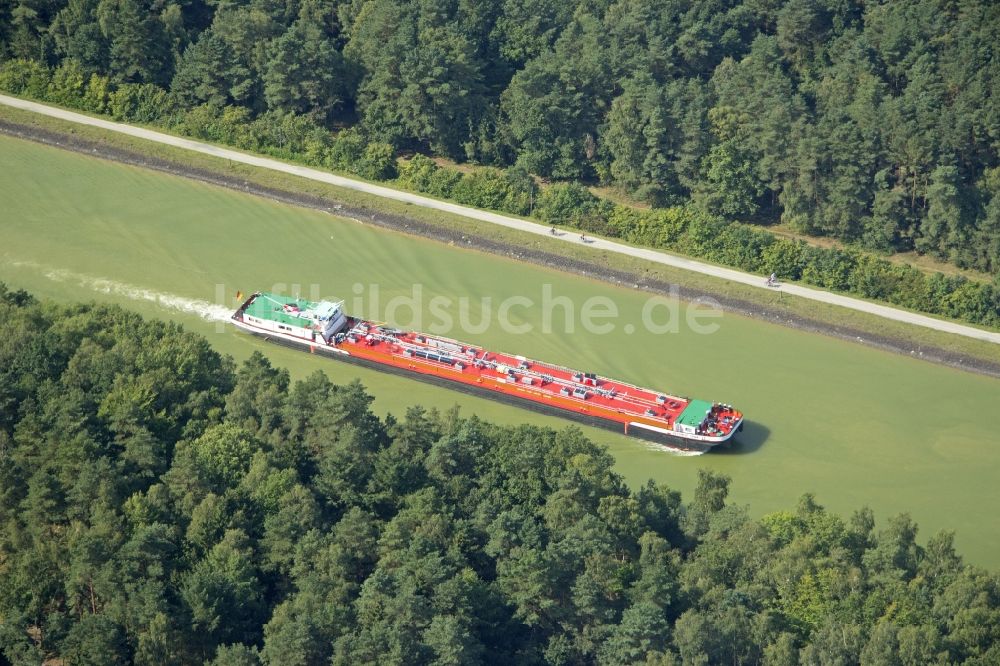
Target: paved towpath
[{"x": 509, "y": 222}]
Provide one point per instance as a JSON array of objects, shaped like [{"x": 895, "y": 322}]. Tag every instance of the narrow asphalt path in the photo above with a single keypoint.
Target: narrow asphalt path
[{"x": 509, "y": 222}]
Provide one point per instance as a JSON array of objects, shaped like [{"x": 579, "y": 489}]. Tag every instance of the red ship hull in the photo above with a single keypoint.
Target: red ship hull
[{"x": 515, "y": 380}]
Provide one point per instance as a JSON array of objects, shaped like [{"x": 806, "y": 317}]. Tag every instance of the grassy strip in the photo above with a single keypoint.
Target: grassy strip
[{"x": 774, "y": 301}]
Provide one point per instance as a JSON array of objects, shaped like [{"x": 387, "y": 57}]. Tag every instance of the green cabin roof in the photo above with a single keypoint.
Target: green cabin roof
[
  {"x": 695, "y": 413},
  {"x": 272, "y": 307}
]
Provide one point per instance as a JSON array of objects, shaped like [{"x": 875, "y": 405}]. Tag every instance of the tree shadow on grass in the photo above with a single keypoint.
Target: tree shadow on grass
[{"x": 752, "y": 438}]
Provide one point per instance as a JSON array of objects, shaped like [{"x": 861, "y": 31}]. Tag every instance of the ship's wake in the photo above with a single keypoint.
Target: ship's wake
[
  {"x": 678, "y": 451},
  {"x": 193, "y": 306}
]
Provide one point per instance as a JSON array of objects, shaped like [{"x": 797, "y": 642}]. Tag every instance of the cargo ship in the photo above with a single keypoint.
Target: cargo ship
[{"x": 323, "y": 327}]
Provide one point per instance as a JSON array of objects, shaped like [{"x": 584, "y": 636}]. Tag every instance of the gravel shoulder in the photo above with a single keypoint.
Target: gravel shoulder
[{"x": 470, "y": 240}]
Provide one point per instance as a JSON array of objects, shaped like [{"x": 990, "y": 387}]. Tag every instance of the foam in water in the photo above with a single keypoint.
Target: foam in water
[
  {"x": 675, "y": 451},
  {"x": 204, "y": 309}
]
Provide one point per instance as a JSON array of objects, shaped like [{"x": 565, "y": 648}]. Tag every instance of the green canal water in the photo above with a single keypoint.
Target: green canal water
[{"x": 853, "y": 425}]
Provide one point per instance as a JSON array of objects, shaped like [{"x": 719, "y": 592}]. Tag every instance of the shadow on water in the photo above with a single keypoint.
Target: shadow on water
[{"x": 752, "y": 438}]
